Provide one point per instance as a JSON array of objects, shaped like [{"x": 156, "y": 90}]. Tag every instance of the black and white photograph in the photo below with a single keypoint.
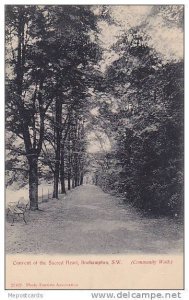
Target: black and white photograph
[{"x": 94, "y": 130}]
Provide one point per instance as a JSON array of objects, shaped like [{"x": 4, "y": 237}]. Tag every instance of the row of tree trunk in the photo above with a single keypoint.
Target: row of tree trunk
[
  {"x": 44, "y": 65},
  {"x": 69, "y": 150}
]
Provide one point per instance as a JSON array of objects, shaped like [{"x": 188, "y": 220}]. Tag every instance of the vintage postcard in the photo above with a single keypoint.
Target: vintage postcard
[{"x": 94, "y": 147}]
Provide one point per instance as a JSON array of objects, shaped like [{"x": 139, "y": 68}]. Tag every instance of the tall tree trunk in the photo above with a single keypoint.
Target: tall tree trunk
[
  {"x": 78, "y": 173},
  {"x": 82, "y": 149},
  {"x": 31, "y": 155},
  {"x": 62, "y": 172},
  {"x": 56, "y": 181},
  {"x": 73, "y": 182},
  {"x": 69, "y": 164},
  {"x": 73, "y": 163},
  {"x": 33, "y": 181},
  {"x": 75, "y": 171},
  {"x": 69, "y": 181},
  {"x": 81, "y": 179},
  {"x": 58, "y": 135}
]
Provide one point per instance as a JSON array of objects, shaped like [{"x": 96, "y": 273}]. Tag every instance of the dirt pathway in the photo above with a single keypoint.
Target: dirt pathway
[{"x": 89, "y": 221}]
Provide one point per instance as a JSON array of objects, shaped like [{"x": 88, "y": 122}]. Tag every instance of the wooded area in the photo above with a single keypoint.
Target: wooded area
[{"x": 58, "y": 94}]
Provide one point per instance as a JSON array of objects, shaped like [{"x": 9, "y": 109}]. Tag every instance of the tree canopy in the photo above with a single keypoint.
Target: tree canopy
[{"x": 77, "y": 75}]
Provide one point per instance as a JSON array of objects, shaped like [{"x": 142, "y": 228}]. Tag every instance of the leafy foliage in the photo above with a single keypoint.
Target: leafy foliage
[{"x": 146, "y": 162}]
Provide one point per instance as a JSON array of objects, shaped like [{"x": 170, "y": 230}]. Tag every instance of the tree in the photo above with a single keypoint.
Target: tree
[
  {"x": 76, "y": 54},
  {"x": 145, "y": 163},
  {"x": 29, "y": 82}
]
